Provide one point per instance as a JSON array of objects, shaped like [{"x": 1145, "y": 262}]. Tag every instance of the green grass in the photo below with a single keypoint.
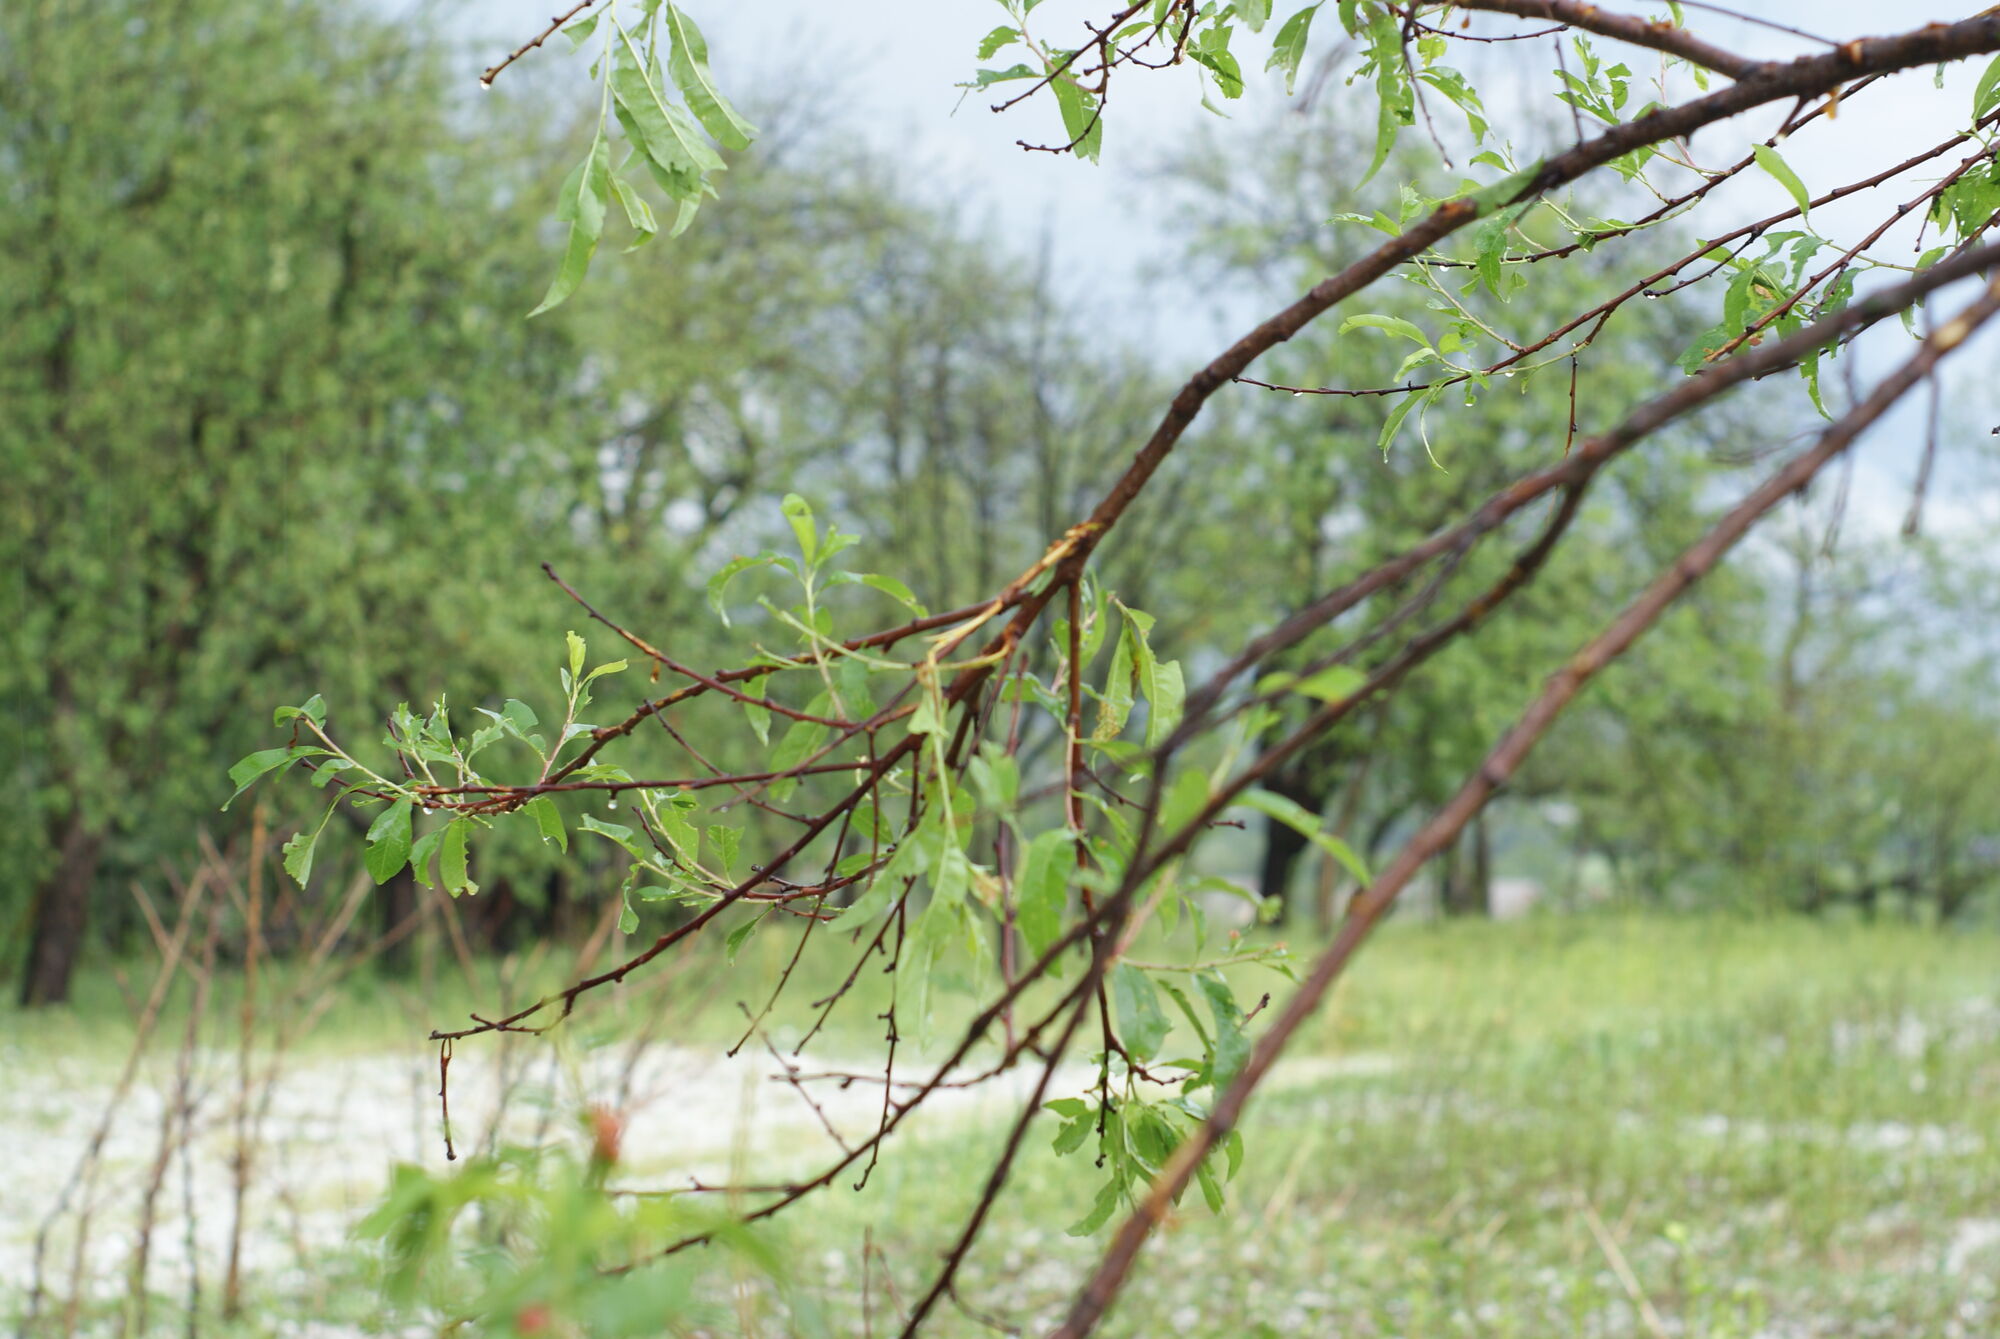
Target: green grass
[
  {"x": 1564, "y": 1126},
  {"x": 1780, "y": 1128}
]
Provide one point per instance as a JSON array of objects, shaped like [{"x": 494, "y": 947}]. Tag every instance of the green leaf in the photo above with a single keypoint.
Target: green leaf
[
  {"x": 313, "y": 709},
  {"x": 1306, "y": 823},
  {"x": 895, "y": 590},
  {"x": 1986, "y": 94},
  {"x": 584, "y": 197},
  {"x": 1211, "y": 1190},
  {"x": 549, "y": 821},
  {"x": 799, "y": 513},
  {"x": 576, "y": 651},
  {"x": 929, "y": 717},
  {"x": 1166, "y": 695},
  {"x": 1100, "y": 1212},
  {"x": 1393, "y": 325},
  {"x": 246, "y": 770},
  {"x": 738, "y": 935},
  {"x": 1394, "y": 423},
  {"x": 799, "y": 743},
  {"x": 1772, "y": 162},
  {"x": 878, "y": 898},
  {"x": 1288, "y": 48},
  {"x": 1082, "y": 125},
  {"x": 1041, "y": 890},
  {"x": 688, "y": 64},
  {"x": 638, "y": 212},
  {"x": 1114, "y": 704},
  {"x": 1142, "y": 1023},
  {"x": 422, "y": 853},
  {"x": 719, "y": 583},
  {"x": 662, "y": 130},
  {"x": 725, "y": 840},
  {"x": 1186, "y": 797},
  {"x": 995, "y": 40},
  {"x": 996, "y": 775},
  {"x": 1332, "y": 683},
  {"x": 758, "y": 715},
  {"x": 388, "y": 842},
  {"x": 578, "y": 33},
  {"x": 454, "y": 858},
  {"x": 1232, "y": 1047},
  {"x": 617, "y": 832},
  {"x": 299, "y": 850}
]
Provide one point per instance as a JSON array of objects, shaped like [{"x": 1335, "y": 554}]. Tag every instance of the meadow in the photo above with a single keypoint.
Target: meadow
[{"x": 1588, "y": 1125}]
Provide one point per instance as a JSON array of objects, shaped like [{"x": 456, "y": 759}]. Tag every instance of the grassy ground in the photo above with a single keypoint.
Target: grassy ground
[{"x": 1583, "y": 1126}]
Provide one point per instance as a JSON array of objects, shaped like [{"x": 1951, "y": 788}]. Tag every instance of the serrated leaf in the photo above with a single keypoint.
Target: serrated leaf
[
  {"x": 422, "y": 853},
  {"x": 389, "y": 842},
  {"x": 454, "y": 858},
  {"x": 549, "y": 821},
  {"x": 995, "y": 40},
  {"x": 299, "y": 849}
]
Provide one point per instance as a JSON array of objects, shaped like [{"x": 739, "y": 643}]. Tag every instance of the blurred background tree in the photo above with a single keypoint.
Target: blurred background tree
[{"x": 273, "y": 422}]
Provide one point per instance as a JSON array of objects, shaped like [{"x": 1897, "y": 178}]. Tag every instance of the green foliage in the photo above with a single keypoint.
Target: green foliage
[{"x": 524, "y": 1242}]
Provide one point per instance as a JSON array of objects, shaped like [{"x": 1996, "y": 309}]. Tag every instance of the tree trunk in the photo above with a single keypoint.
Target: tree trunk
[
  {"x": 61, "y": 913},
  {"x": 1466, "y": 878},
  {"x": 396, "y": 902},
  {"x": 1282, "y": 845}
]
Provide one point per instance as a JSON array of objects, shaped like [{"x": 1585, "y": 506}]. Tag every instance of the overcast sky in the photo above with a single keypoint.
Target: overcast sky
[{"x": 895, "y": 64}]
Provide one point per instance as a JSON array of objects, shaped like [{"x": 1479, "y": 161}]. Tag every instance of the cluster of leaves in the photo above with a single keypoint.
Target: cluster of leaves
[
  {"x": 675, "y": 143},
  {"x": 435, "y": 761},
  {"x": 908, "y": 849},
  {"x": 531, "y": 1242}
]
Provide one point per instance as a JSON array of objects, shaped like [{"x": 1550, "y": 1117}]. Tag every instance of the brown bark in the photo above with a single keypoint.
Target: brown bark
[{"x": 60, "y": 916}]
